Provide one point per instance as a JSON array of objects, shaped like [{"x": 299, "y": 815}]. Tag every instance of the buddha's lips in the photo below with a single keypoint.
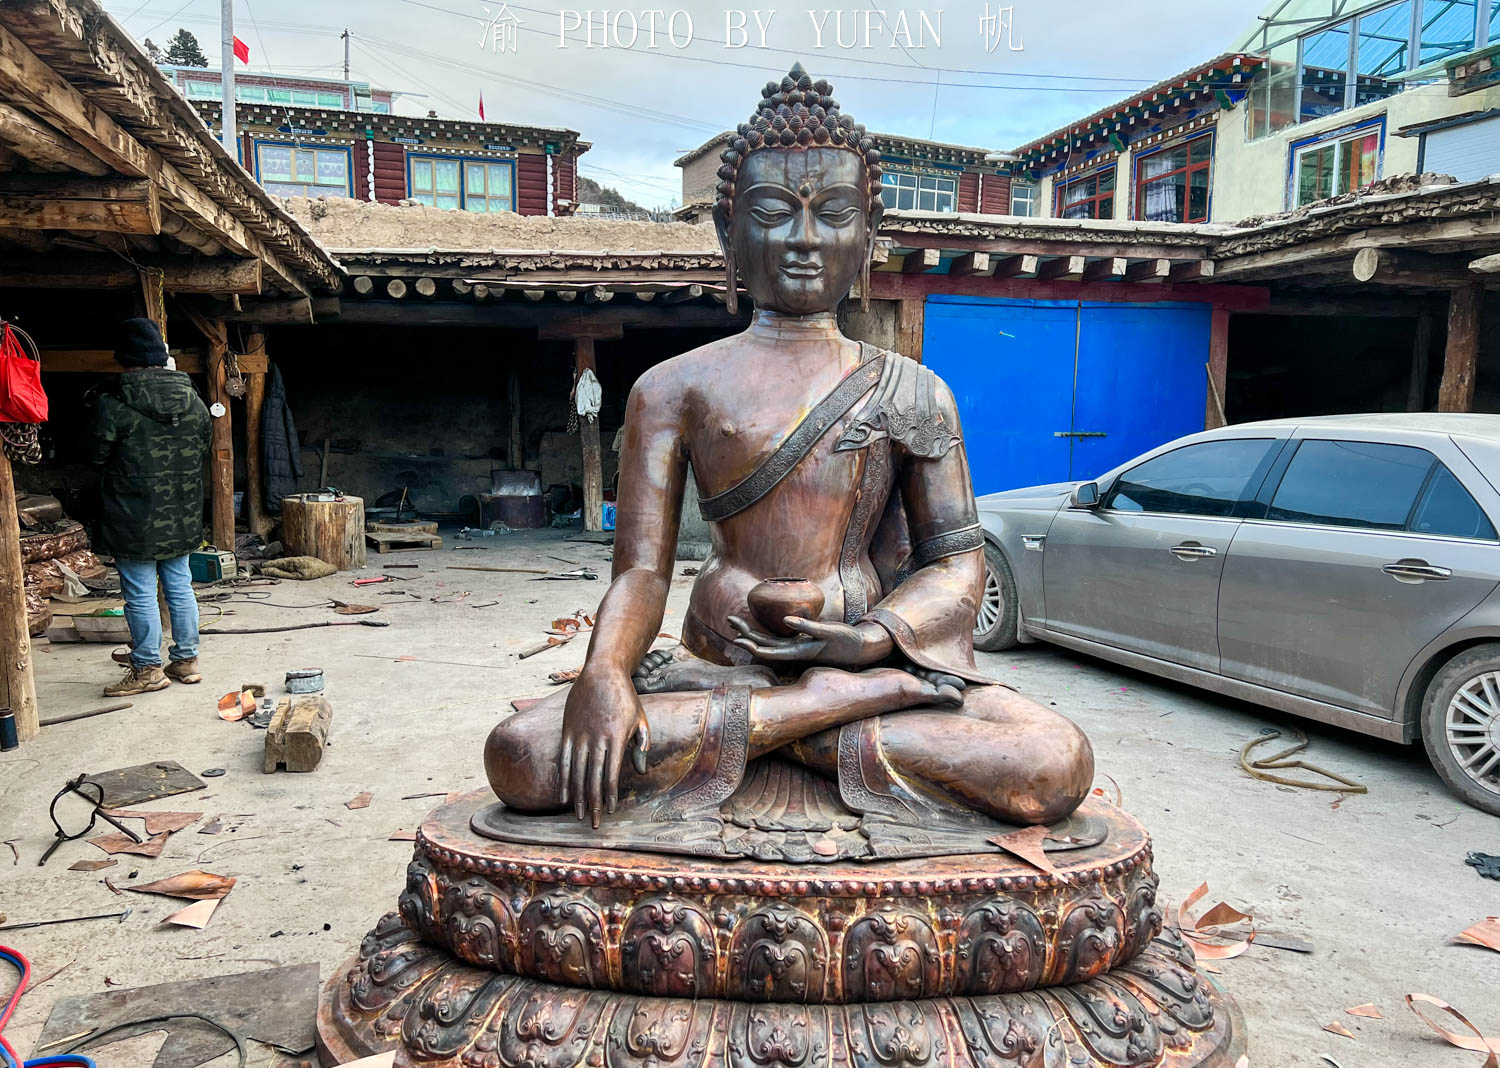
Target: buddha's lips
[{"x": 801, "y": 270}]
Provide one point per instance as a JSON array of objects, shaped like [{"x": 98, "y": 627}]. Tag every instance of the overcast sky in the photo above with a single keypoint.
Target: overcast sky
[{"x": 1051, "y": 62}]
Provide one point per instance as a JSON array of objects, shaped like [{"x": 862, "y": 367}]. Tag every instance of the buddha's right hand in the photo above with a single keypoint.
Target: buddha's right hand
[{"x": 601, "y": 715}]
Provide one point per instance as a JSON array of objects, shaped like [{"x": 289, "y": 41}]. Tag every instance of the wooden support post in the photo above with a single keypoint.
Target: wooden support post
[
  {"x": 1465, "y": 305},
  {"x": 911, "y": 323},
  {"x": 255, "y": 399},
  {"x": 1218, "y": 369},
  {"x": 588, "y": 434},
  {"x": 1416, "y": 392},
  {"x": 17, "y": 687},
  {"x": 221, "y": 441},
  {"x": 516, "y": 457}
]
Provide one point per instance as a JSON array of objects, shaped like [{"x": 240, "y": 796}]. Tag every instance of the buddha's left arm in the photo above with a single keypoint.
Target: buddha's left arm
[{"x": 930, "y": 616}]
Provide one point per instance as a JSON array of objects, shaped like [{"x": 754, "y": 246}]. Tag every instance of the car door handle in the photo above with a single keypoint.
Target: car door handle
[
  {"x": 1191, "y": 550},
  {"x": 1416, "y": 571}
]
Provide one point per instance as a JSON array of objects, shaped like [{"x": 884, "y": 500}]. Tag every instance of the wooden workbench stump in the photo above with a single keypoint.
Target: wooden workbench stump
[
  {"x": 298, "y": 733},
  {"x": 332, "y": 531}
]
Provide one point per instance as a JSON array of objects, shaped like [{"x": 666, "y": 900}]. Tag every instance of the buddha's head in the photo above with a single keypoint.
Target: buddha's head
[{"x": 798, "y": 201}]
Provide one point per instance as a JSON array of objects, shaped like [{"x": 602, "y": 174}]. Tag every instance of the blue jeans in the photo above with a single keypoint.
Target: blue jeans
[{"x": 142, "y": 614}]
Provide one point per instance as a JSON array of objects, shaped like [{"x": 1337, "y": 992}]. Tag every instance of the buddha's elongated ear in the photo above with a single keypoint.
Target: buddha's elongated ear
[
  {"x": 877, "y": 213},
  {"x": 722, "y": 213}
]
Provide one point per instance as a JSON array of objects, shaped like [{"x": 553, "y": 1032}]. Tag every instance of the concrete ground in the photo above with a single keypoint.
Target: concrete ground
[{"x": 1377, "y": 882}]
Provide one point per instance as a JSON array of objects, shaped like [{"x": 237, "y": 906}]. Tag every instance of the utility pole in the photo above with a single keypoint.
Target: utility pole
[
  {"x": 346, "y": 36},
  {"x": 226, "y": 60}
]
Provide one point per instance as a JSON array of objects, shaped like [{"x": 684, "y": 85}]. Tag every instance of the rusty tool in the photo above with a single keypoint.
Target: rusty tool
[{"x": 68, "y": 919}]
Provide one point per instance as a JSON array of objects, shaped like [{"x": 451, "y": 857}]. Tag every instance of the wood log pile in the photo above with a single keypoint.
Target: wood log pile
[{"x": 48, "y": 540}]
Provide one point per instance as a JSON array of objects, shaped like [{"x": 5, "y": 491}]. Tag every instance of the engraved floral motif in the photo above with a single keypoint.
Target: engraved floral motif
[
  {"x": 478, "y": 924},
  {"x": 891, "y": 955},
  {"x": 894, "y": 1034},
  {"x": 778, "y": 1036},
  {"x": 667, "y": 948},
  {"x": 562, "y": 939},
  {"x": 419, "y": 901},
  {"x": 659, "y": 1032},
  {"x": 544, "y": 1027},
  {"x": 1087, "y": 940},
  {"x": 1143, "y": 916},
  {"x": 1001, "y": 948},
  {"x": 778, "y": 954}
]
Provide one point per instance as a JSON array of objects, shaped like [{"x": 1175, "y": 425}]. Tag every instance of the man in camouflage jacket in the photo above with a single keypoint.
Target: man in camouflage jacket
[{"x": 151, "y": 436}]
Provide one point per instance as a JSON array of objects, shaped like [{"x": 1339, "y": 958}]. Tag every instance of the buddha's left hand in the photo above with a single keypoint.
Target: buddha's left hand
[{"x": 818, "y": 642}]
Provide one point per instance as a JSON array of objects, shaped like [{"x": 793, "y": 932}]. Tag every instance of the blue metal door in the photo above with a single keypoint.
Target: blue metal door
[
  {"x": 1010, "y": 365},
  {"x": 1141, "y": 380},
  {"x": 1053, "y": 391}
]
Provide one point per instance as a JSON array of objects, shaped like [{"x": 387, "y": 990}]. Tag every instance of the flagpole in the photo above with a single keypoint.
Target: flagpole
[{"x": 231, "y": 134}]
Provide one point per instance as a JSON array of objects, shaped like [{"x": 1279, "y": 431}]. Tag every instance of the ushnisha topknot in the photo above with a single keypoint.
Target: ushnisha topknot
[{"x": 797, "y": 113}]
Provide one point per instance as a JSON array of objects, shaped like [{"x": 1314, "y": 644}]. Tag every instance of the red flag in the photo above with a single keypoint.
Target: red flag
[
  {"x": 241, "y": 51},
  {"x": 481, "y": 105}
]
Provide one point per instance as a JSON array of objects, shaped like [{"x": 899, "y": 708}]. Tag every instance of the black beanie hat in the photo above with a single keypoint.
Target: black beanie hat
[{"x": 139, "y": 344}]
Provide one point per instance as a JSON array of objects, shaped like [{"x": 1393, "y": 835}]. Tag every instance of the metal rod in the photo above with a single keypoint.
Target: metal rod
[
  {"x": 70, "y": 919},
  {"x": 226, "y": 61}
]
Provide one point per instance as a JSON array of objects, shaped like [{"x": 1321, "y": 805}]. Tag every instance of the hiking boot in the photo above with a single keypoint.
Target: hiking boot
[
  {"x": 185, "y": 671},
  {"x": 139, "y": 680}
]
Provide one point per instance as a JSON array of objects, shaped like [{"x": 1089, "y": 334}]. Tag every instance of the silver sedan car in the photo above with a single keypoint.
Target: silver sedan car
[{"x": 1342, "y": 568}]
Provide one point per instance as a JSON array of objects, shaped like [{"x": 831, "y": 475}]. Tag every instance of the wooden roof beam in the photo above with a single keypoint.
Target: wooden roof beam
[
  {"x": 1109, "y": 269},
  {"x": 115, "y": 205},
  {"x": 43, "y": 146},
  {"x": 1192, "y": 270},
  {"x": 1381, "y": 266},
  {"x": 1011, "y": 266},
  {"x": 1067, "y": 268},
  {"x": 970, "y": 263},
  {"x": 25, "y": 77},
  {"x": 1157, "y": 270},
  {"x": 104, "y": 271},
  {"x": 923, "y": 259},
  {"x": 1486, "y": 265}
]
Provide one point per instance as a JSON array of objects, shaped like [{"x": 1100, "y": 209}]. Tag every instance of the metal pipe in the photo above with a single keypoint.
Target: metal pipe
[{"x": 226, "y": 60}]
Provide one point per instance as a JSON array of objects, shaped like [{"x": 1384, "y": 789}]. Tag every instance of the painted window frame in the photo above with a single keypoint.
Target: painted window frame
[
  {"x": 1297, "y": 149},
  {"x": 1482, "y": 37},
  {"x": 323, "y": 190},
  {"x": 463, "y": 175},
  {"x": 1060, "y": 188},
  {"x": 1033, "y": 198},
  {"x": 918, "y": 177},
  {"x": 487, "y": 162},
  {"x": 1138, "y": 184}
]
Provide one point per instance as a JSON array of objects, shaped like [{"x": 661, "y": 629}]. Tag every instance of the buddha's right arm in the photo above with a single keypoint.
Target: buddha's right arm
[{"x": 653, "y": 473}]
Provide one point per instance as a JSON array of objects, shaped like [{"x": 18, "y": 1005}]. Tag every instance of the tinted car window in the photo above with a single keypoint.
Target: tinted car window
[
  {"x": 1446, "y": 508},
  {"x": 1209, "y": 478},
  {"x": 1351, "y": 484}
]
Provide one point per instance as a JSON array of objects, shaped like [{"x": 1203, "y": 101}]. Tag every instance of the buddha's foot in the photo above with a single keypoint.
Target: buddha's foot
[{"x": 676, "y": 670}]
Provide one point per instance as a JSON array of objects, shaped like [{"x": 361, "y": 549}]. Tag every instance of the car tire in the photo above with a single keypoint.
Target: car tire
[
  {"x": 995, "y": 629},
  {"x": 1452, "y": 710}
]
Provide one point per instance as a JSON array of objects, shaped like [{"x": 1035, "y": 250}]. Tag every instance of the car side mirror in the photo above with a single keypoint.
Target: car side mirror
[{"x": 1085, "y": 496}]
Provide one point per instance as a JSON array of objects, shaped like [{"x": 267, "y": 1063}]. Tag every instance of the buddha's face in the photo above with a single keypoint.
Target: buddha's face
[{"x": 800, "y": 227}]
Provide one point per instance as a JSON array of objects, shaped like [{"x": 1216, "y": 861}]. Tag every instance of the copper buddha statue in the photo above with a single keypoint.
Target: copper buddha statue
[{"x": 824, "y": 702}]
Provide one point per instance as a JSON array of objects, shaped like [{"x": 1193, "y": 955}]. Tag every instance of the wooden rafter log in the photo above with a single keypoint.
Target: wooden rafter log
[
  {"x": 1149, "y": 271},
  {"x": 597, "y": 295},
  {"x": 1192, "y": 270},
  {"x": 295, "y": 312},
  {"x": 26, "y": 79},
  {"x": 1383, "y": 266},
  {"x": 1068, "y": 268},
  {"x": 218, "y": 277},
  {"x": 425, "y": 287},
  {"x": 461, "y": 287},
  {"x": 922, "y": 259},
  {"x": 645, "y": 296},
  {"x": 363, "y": 285},
  {"x": 1486, "y": 265},
  {"x": 43, "y": 146},
  {"x": 566, "y": 295},
  {"x": 970, "y": 263},
  {"x": 115, "y": 205},
  {"x": 534, "y": 295},
  {"x": 481, "y": 293},
  {"x": 1011, "y": 266},
  {"x": 1109, "y": 269},
  {"x": 396, "y": 289},
  {"x": 103, "y": 362},
  {"x": 175, "y": 227},
  {"x": 682, "y": 293}
]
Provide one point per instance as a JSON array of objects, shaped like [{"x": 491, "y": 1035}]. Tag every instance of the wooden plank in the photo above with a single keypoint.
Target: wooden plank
[
  {"x": 1149, "y": 271},
  {"x": 1460, "y": 360},
  {"x": 255, "y": 399},
  {"x": 44, "y": 146},
  {"x": 1217, "y": 370},
  {"x": 923, "y": 259},
  {"x": 120, "y": 205},
  {"x": 17, "y": 685},
  {"x": 1066, "y": 242},
  {"x": 1010, "y": 266},
  {"x": 588, "y": 435},
  {"x": 1106, "y": 270},
  {"x": 911, "y": 324},
  {"x": 1486, "y": 265},
  {"x": 1071, "y": 267},
  {"x": 888, "y": 286},
  {"x": 970, "y": 263},
  {"x": 221, "y": 440},
  {"x": 295, "y": 312},
  {"x": 102, "y": 361},
  {"x": 84, "y": 271},
  {"x": 26, "y": 79},
  {"x": 404, "y": 542}
]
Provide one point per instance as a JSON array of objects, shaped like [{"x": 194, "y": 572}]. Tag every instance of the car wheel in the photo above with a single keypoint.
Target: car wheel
[
  {"x": 1461, "y": 726},
  {"x": 995, "y": 629}
]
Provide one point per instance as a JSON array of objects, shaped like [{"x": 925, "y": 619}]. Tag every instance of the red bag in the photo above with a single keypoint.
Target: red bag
[{"x": 22, "y": 399}]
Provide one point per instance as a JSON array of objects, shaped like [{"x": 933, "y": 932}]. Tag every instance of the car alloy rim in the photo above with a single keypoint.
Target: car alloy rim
[
  {"x": 991, "y": 605},
  {"x": 1473, "y": 728}
]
